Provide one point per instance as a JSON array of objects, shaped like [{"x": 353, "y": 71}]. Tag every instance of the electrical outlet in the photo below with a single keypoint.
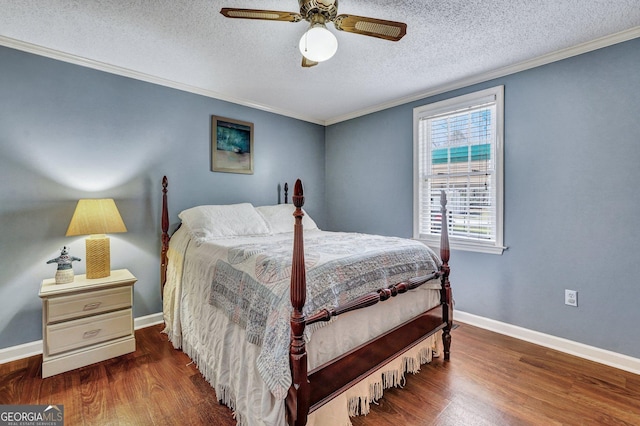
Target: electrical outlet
[{"x": 571, "y": 297}]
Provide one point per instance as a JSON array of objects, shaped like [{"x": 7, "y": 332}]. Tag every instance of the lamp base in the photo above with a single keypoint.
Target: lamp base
[{"x": 98, "y": 256}]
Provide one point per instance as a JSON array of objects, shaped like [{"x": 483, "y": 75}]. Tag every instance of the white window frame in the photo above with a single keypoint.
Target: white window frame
[{"x": 455, "y": 105}]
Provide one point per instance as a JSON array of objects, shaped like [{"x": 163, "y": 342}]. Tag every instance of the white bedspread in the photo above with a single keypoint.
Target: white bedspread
[{"x": 219, "y": 345}]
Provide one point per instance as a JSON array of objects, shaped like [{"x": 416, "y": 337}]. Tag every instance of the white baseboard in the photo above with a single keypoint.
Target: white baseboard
[
  {"x": 14, "y": 353},
  {"x": 26, "y": 350},
  {"x": 602, "y": 356},
  {"x": 148, "y": 320}
]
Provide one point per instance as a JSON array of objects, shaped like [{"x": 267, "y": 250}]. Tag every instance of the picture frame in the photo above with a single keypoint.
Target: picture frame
[{"x": 231, "y": 145}]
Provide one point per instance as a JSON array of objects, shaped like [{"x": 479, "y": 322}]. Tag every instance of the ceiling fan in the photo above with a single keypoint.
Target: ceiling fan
[{"x": 317, "y": 43}]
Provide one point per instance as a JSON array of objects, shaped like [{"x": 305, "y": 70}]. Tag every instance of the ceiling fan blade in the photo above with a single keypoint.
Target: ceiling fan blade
[
  {"x": 307, "y": 63},
  {"x": 388, "y": 30},
  {"x": 267, "y": 15}
]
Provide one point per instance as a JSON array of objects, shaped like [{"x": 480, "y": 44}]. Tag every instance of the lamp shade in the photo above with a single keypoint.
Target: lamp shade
[
  {"x": 96, "y": 216},
  {"x": 318, "y": 43}
]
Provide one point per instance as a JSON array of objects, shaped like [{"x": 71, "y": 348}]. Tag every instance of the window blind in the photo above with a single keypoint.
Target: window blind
[{"x": 457, "y": 154}]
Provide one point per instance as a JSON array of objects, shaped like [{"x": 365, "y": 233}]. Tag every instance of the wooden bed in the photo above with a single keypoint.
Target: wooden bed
[{"x": 312, "y": 389}]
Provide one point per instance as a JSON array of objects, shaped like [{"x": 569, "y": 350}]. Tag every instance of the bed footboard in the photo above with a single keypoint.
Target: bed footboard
[{"x": 310, "y": 390}]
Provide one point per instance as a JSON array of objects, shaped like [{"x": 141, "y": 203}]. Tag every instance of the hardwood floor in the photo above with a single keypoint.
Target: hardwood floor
[{"x": 491, "y": 380}]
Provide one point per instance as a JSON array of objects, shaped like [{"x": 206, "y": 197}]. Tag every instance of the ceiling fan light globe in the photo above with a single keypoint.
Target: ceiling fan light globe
[{"x": 318, "y": 44}]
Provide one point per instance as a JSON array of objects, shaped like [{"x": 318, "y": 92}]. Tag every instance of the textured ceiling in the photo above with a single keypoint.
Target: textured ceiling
[{"x": 188, "y": 44}]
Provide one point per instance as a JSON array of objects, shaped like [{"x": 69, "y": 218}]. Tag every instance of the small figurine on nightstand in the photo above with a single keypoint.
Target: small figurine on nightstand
[{"x": 64, "y": 274}]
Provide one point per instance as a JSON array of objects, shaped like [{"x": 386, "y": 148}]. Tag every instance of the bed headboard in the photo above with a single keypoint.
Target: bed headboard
[{"x": 165, "y": 237}]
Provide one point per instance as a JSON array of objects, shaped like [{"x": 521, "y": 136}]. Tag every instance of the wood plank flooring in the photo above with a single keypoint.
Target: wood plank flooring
[{"x": 491, "y": 380}]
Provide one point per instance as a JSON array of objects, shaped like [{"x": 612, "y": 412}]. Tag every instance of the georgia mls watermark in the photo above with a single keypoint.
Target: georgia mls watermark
[{"x": 31, "y": 415}]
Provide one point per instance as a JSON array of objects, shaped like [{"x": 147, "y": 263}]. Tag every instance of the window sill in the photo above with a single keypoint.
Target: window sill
[{"x": 434, "y": 243}]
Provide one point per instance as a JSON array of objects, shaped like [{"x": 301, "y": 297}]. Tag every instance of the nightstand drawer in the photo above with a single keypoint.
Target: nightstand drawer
[
  {"x": 84, "y": 304},
  {"x": 88, "y": 331}
]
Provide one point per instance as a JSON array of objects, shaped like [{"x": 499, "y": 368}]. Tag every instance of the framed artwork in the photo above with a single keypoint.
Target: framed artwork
[{"x": 231, "y": 145}]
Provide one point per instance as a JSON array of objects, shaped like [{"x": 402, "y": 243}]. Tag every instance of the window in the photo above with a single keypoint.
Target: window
[{"x": 458, "y": 148}]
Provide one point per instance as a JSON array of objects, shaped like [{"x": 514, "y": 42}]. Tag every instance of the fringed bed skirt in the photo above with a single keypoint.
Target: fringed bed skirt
[
  {"x": 357, "y": 400},
  {"x": 227, "y": 360},
  {"x": 354, "y": 401}
]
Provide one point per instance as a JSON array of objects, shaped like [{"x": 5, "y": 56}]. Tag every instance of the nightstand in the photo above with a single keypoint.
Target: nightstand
[{"x": 86, "y": 321}]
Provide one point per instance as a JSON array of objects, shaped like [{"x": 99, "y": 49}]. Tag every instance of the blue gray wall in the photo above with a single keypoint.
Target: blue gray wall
[
  {"x": 572, "y": 150},
  {"x": 68, "y": 132}
]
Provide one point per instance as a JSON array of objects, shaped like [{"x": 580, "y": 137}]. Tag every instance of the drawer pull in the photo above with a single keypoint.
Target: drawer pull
[
  {"x": 91, "y": 306},
  {"x": 90, "y": 334}
]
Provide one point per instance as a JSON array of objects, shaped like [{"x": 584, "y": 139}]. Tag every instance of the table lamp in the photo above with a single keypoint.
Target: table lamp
[{"x": 96, "y": 217}]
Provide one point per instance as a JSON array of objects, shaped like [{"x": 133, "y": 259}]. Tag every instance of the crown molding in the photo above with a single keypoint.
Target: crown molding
[
  {"x": 559, "y": 55},
  {"x": 126, "y": 72},
  {"x": 458, "y": 84}
]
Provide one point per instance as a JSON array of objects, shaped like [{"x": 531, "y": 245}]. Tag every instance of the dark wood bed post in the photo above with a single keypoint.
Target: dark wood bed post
[
  {"x": 299, "y": 397},
  {"x": 286, "y": 193},
  {"x": 164, "y": 237},
  {"x": 445, "y": 292},
  {"x": 298, "y": 402}
]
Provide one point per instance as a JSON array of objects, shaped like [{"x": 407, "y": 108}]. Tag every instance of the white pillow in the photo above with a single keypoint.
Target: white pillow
[
  {"x": 280, "y": 218},
  {"x": 233, "y": 220}
]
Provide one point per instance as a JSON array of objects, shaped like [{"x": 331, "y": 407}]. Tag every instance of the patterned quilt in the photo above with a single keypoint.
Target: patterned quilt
[{"x": 252, "y": 285}]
